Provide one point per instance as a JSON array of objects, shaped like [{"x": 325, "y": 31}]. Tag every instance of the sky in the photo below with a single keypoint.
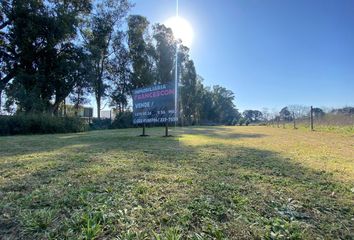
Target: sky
[{"x": 270, "y": 53}]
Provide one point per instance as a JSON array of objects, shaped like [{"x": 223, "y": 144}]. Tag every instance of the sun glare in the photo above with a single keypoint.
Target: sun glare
[{"x": 182, "y": 30}]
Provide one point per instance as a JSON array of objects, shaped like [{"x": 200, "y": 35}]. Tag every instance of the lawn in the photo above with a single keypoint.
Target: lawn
[{"x": 203, "y": 183}]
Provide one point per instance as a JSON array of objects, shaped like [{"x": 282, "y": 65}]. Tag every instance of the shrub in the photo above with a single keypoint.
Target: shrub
[
  {"x": 39, "y": 124},
  {"x": 123, "y": 120},
  {"x": 100, "y": 124},
  {"x": 241, "y": 121}
]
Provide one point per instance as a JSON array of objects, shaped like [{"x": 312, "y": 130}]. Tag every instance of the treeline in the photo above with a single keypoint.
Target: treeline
[
  {"x": 299, "y": 114},
  {"x": 55, "y": 50}
]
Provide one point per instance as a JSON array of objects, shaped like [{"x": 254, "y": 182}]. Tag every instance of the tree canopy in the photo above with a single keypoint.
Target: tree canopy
[{"x": 58, "y": 50}]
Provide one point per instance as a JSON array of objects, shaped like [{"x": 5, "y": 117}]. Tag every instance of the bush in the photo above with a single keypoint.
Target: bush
[
  {"x": 100, "y": 124},
  {"x": 123, "y": 120},
  {"x": 39, "y": 124}
]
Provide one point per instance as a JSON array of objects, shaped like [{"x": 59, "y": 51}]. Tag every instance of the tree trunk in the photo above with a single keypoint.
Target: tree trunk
[
  {"x": 166, "y": 129},
  {"x": 98, "y": 100},
  {"x": 55, "y": 108},
  {"x": 100, "y": 86},
  {"x": 0, "y": 102},
  {"x": 77, "y": 104},
  {"x": 64, "y": 107}
]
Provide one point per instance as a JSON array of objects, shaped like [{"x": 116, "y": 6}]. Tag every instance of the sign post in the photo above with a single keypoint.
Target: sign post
[
  {"x": 166, "y": 130},
  {"x": 143, "y": 134},
  {"x": 154, "y": 104}
]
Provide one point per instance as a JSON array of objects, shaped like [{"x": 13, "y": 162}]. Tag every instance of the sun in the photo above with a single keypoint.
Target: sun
[{"x": 181, "y": 29}]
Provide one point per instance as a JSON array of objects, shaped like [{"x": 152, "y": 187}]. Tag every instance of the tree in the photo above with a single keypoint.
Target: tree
[
  {"x": 266, "y": 115},
  {"x": 99, "y": 34},
  {"x": 318, "y": 112},
  {"x": 214, "y": 105},
  {"x": 252, "y": 115},
  {"x": 346, "y": 111},
  {"x": 208, "y": 111},
  {"x": 44, "y": 60},
  {"x": 164, "y": 53},
  {"x": 285, "y": 114},
  {"x": 82, "y": 86},
  {"x": 298, "y": 111},
  {"x": 141, "y": 52},
  {"x": 223, "y": 104},
  {"x": 188, "y": 91},
  {"x": 40, "y": 42},
  {"x": 258, "y": 116},
  {"x": 72, "y": 75},
  {"x": 8, "y": 64},
  {"x": 198, "y": 98},
  {"x": 120, "y": 70}
]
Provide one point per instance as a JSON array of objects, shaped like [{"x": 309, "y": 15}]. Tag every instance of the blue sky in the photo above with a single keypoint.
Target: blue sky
[{"x": 270, "y": 53}]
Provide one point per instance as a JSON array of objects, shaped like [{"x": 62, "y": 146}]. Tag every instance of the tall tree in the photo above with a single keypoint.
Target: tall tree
[
  {"x": 99, "y": 34},
  {"x": 208, "y": 110},
  {"x": 223, "y": 102},
  {"x": 198, "y": 98},
  {"x": 8, "y": 64},
  {"x": 188, "y": 91},
  {"x": 217, "y": 105},
  {"x": 141, "y": 51},
  {"x": 40, "y": 37},
  {"x": 121, "y": 72},
  {"x": 82, "y": 87},
  {"x": 165, "y": 52}
]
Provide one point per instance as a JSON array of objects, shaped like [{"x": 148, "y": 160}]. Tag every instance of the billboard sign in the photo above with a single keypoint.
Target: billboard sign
[{"x": 154, "y": 104}]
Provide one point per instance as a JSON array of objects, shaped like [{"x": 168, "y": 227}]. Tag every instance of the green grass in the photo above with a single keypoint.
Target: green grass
[
  {"x": 344, "y": 130},
  {"x": 204, "y": 183}
]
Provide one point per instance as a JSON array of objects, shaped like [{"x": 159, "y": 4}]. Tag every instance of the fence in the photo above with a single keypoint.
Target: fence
[{"x": 315, "y": 121}]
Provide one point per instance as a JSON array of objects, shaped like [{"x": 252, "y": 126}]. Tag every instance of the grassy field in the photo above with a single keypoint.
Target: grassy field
[
  {"x": 343, "y": 130},
  {"x": 204, "y": 183}
]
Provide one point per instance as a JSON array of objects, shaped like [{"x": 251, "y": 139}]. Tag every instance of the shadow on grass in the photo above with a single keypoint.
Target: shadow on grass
[
  {"x": 219, "y": 132},
  {"x": 60, "y": 171},
  {"x": 124, "y": 184},
  {"x": 27, "y": 144}
]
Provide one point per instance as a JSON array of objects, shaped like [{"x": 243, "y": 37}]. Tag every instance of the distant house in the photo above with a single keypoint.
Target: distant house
[
  {"x": 87, "y": 112},
  {"x": 108, "y": 114}
]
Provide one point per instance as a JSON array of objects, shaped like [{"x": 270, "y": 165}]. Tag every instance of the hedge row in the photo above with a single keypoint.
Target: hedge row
[
  {"x": 122, "y": 120},
  {"x": 40, "y": 124}
]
